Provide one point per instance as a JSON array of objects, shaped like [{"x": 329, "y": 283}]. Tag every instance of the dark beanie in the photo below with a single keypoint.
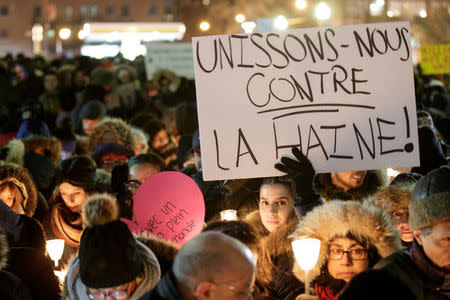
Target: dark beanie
[
  {"x": 78, "y": 171},
  {"x": 109, "y": 255},
  {"x": 92, "y": 110}
]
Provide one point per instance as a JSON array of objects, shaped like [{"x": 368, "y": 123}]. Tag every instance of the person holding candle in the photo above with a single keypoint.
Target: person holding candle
[
  {"x": 273, "y": 222},
  {"x": 76, "y": 179},
  {"x": 354, "y": 236}
]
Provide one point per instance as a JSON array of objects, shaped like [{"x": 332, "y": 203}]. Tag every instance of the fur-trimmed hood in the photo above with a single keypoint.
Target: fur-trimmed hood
[
  {"x": 111, "y": 130},
  {"x": 337, "y": 219},
  {"x": 51, "y": 146},
  {"x": 16, "y": 152},
  {"x": 373, "y": 180},
  {"x": 23, "y": 180},
  {"x": 393, "y": 198},
  {"x": 273, "y": 246},
  {"x": 3, "y": 249},
  {"x": 164, "y": 250}
]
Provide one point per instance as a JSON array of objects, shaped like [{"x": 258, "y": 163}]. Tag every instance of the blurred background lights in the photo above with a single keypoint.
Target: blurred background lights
[
  {"x": 64, "y": 33},
  {"x": 248, "y": 26},
  {"x": 323, "y": 11},
  {"x": 390, "y": 13},
  {"x": 423, "y": 13},
  {"x": 204, "y": 26},
  {"x": 280, "y": 23},
  {"x": 240, "y": 18},
  {"x": 300, "y": 4}
]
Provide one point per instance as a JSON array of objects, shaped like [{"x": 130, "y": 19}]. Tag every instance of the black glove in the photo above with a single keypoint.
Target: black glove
[{"x": 302, "y": 174}]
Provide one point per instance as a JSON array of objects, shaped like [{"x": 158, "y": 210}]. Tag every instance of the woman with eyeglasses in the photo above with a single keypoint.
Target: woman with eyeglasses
[{"x": 354, "y": 236}]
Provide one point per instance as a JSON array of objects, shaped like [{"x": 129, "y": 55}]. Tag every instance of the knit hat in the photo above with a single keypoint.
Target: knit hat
[
  {"x": 110, "y": 151},
  {"x": 430, "y": 202},
  {"x": 92, "y": 110},
  {"x": 78, "y": 171},
  {"x": 109, "y": 255}
]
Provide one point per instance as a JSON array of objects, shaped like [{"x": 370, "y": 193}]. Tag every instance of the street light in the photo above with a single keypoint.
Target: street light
[
  {"x": 323, "y": 11},
  {"x": 423, "y": 13},
  {"x": 281, "y": 23},
  {"x": 300, "y": 4},
  {"x": 64, "y": 33},
  {"x": 204, "y": 26},
  {"x": 240, "y": 18}
]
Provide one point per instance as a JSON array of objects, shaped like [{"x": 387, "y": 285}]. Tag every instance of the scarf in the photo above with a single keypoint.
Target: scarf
[{"x": 66, "y": 225}]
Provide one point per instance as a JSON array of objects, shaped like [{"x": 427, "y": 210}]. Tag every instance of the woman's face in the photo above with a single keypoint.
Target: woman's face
[
  {"x": 276, "y": 205},
  {"x": 73, "y": 196},
  {"x": 12, "y": 197},
  {"x": 345, "y": 265}
]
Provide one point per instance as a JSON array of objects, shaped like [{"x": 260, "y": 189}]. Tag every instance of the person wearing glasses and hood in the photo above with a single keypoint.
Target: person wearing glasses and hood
[{"x": 353, "y": 236}]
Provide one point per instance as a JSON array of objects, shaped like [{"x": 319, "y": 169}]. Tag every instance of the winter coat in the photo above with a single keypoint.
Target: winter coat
[
  {"x": 75, "y": 289},
  {"x": 165, "y": 290},
  {"x": 274, "y": 275},
  {"x": 406, "y": 274},
  {"x": 50, "y": 146},
  {"x": 339, "y": 218},
  {"x": 325, "y": 188},
  {"x": 29, "y": 265},
  {"x": 23, "y": 180},
  {"x": 164, "y": 251},
  {"x": 431, "y": 154}
]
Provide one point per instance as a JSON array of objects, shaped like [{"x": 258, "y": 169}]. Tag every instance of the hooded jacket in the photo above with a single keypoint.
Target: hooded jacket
[
  {"x": 339, "y": 218},
  {"x": 51, "y": 146},
  {"x": 325, "y": 188},
  {"x": 275, "y": 259},
  {"x": 111, "y": 130},
  {"x": 22, "y": 179}
]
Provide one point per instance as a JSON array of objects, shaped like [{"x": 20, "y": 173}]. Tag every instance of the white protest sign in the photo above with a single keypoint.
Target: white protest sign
[
  {"x": 176, "y": 57},
  {"x": 344, "y": 95}
]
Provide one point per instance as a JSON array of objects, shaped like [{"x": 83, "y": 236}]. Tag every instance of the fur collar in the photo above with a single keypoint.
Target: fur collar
[
  {"x": 337, "y": 218},
  {"x": 165, "y": 251},
  {"x": 3, "y": 249},
  {"x": 51, "y": 146},
  {"x": 272, "y": 246},
  {"x": 22, "y": 179},
  {"x": 393, "y": 198},
  {"x": 373, "y": 180}
]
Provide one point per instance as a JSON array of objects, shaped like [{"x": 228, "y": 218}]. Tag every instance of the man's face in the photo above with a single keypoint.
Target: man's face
[
  {"x": 50, "y": 83},
  {"x": 349, "y": 179},
  {"x": 239, "y": 286},
  {"x": 436, "y": 244}
]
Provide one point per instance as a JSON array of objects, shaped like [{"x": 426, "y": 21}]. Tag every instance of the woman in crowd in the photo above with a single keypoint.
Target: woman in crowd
[
  {"x": 394, "y": 199},
  {"x": 273, "y": 223},
  {"x": 353, "y": 237},
  {"x": 75, "y": 178}
]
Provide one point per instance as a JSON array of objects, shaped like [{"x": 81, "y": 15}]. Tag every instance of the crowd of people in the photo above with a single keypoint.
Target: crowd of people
[{"x": 78, "y": 138}]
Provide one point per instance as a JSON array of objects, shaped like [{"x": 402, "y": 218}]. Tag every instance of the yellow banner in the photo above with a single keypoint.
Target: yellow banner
[{"x": 435, "y": 59}]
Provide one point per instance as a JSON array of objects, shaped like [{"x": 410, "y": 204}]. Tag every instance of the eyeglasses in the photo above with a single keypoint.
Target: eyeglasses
[
  {"x": 245, "y": 294},
  {"x": 132, "y": 186},
  {"x": 117, "y": 294},
  {"x": 355, "y": 254}
]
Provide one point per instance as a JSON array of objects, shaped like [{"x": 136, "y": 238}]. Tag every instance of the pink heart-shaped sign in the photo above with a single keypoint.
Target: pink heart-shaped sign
[{"x": 170, "y": 206}]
